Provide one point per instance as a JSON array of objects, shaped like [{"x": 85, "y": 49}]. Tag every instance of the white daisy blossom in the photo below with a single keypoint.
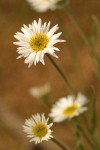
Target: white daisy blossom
[
  {"x": 43, "y": 5},
  {"x": 37, "y": 40},
  {"x": 38, "y": 129},
  {"x": 68, "y": 107},
  {"x": 39, "y": 92}
]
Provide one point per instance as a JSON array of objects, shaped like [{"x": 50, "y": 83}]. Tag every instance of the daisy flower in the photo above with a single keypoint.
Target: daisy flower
[
  {"x": 36, "y": 40},
  {"x": 68, "y": 107},
  {"x": 43, "y": 5},
  {"x": 37, "y": 128},
  {"x": 40, "y": 92}
]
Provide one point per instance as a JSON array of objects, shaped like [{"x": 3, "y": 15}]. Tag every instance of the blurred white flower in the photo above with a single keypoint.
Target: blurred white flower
[
  {"x": 37, "y": 40},
  {"x": 43, "y": 5},
  {"x": 68, "y": 107},
  {"x": 41, "y": 91},
  {"x": 38, "y": 129}
]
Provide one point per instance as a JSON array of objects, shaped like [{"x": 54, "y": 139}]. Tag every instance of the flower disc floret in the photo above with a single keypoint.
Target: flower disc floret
[
  {"x": 70, "y": 110},
  {"x": 39, "y": 42},
  {"x": 40, "y": 130}
]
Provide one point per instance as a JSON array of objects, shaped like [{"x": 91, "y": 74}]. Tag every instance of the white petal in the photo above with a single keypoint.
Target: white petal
[
  {"x": 33, "y": 122},
  {"x": 25, "y": 50},
  {"x": 52, "y": 31}
]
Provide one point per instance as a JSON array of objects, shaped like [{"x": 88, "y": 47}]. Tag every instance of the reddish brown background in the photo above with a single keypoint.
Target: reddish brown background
[{"x": 16, "y": 79}]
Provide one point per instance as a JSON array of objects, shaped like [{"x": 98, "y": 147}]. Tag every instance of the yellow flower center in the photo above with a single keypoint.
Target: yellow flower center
[
  {"x": 39, "y": 42},
  {"x": 70, "y": 110},
  {"x": 40, "y": 130}
]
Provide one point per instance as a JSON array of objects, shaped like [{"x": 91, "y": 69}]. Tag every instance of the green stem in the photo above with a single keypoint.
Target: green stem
[
  {"x": 67, "y": 35},
  {"x": 92, "y": 145},
  {"x": 63, "y": 147},
  {"x": 87, "y": 138},
  {"x": 79, "y": 144},
  {"x": 46, "y": 100},
  {"x": 84, "y": 37},
  {"x": 69, "y": 87},
  {"x": 93, "y": 56}
]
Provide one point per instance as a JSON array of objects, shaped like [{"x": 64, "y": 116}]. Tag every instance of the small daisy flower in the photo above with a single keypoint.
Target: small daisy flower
[
  {"x": 68, "y": 107},
  {"x": 38, "y": 129},
  {"x": 37, "y": 40},
  {"x": 43, "y": 5},
  {"x": 40, "y": 92}
]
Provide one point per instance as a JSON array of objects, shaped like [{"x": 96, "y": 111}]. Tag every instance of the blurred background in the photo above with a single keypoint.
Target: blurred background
[{"x": 16, "y": 104}]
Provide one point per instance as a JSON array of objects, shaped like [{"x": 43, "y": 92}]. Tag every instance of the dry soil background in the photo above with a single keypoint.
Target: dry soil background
[{"x": 16, "y": 79}]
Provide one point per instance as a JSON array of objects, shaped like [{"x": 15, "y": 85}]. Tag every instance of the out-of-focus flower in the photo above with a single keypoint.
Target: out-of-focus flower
[
  {"x": 37, "y": 40},
  {"x": 68, "y": 107},
  {"x": 41, "y": 91},
  {"x": 43, "y": 5},
  {"x": 38, "y": 129}
]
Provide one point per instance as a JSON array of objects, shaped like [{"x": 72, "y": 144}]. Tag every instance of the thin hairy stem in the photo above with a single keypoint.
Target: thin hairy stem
[
  {"x": 63, "y": 147},
  {"x": 69, "y": 87}
]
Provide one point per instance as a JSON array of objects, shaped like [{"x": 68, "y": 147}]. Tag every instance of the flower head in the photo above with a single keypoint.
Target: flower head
[
  {"x": 40, "y": 92},
  {"x": 36, "y": 40},
  {"x": 37, "y": 128},
  {"x": 43, "y": 5},
  {"x": 68, "y": 107}
]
